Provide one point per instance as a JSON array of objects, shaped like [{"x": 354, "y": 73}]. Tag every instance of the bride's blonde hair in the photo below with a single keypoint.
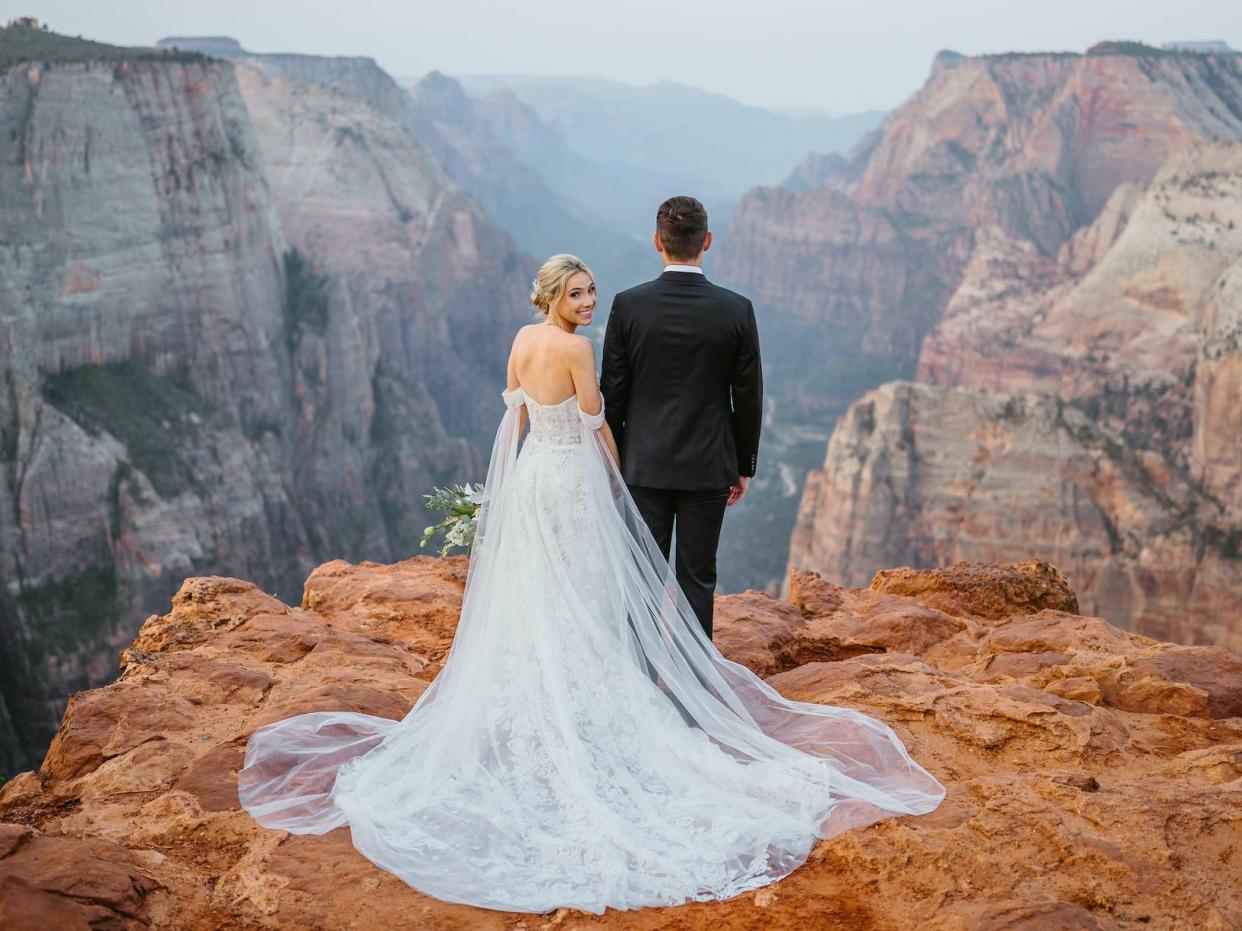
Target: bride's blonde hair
[{"x": 549, "y": 284}]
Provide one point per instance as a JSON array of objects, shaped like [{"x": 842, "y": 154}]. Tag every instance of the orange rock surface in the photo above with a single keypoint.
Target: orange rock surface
[{"x": 1094, "y": 776}]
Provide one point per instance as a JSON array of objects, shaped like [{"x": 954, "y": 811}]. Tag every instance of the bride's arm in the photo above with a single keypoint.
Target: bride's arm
[
  {"x": 582, "y": 371},
  {"x": 606, "y": 432},
  {"x": 511, "y": 382}
]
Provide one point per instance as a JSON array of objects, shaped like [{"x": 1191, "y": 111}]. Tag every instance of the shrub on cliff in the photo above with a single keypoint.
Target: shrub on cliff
[
  {"x": 306, "y": 299},
  {"x": 153, "y": 416},
  {"x": 22, "y": 43}
]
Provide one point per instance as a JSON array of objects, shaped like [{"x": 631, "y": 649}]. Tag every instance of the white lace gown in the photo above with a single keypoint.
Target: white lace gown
[{"x": 584, "y": 745}]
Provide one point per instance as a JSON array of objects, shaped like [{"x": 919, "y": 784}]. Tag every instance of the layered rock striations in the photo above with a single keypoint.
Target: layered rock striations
[
  {"x": 866, "y": 255},
  {"x": 1094, "y": 776},
  {"x": 140, "y": 291},
  {"x": 922, "y": 475},
  {"x": 1092, "y": 430},
  {"x": 428, "y": 291},
  {"x": 204, "y": 367},
  {"x": 480, "y": 146},
  {"x": 1032, "y": 144}
]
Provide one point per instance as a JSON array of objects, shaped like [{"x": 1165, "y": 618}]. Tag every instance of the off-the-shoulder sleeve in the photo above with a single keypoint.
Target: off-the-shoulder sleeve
[
  {"x": 594, "y": 421},
  {"x": 514, "y": 397}
]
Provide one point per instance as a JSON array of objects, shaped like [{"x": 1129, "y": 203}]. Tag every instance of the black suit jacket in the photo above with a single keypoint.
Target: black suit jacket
[{"x": 682, "y": 386}]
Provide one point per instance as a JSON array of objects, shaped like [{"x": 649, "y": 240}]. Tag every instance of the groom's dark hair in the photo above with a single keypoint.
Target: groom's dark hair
[{"x": 681, "y": 224}]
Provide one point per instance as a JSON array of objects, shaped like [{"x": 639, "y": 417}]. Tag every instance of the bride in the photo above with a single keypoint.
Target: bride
[{"x": 585, "y": 744}]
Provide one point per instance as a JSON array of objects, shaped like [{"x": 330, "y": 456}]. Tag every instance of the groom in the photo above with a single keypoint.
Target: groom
[{"x": 683, "y": 395}]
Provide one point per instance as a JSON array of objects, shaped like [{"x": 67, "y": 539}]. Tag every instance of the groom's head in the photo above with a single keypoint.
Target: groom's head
[{"x": 681, "y": 234}]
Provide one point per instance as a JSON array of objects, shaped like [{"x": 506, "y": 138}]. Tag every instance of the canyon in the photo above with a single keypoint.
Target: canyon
[
  {"x": 252, "y": 304},
  {"x": 1079, "y": 408},
  {"x": 1048, "y": 231}
]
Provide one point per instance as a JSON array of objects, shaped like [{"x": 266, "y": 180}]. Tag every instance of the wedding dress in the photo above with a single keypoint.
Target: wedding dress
[{"x": 585, "y": 745}]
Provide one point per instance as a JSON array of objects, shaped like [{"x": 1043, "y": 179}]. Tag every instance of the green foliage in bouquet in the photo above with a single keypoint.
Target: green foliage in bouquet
[{"x": 460, "y": 504}]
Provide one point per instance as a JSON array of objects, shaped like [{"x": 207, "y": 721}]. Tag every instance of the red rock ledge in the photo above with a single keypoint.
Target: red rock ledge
[{"x": 1094, "y": 776}]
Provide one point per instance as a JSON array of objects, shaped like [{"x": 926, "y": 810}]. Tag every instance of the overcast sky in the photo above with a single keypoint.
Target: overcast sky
[{"x": 835, "y": 55}]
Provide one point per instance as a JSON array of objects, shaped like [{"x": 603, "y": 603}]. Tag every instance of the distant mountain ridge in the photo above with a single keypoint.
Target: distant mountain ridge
[{"x": 721, "y": 146}]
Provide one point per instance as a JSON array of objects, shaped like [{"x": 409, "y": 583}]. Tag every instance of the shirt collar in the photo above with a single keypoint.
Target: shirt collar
[{"x": 683, "y": 268}]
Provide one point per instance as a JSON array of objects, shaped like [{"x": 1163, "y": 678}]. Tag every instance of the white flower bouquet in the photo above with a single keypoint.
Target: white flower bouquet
[{"x": 460, "y": 504}]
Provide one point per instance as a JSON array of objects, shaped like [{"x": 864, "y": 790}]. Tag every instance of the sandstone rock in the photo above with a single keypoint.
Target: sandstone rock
[
  {"x": 987, "y": 591},
  {"x": 1094, "y": 775},
  {"x": 1214, "y": 671},
  {"x": 1218, "y": 400},
  {"x": 769, "y": 637},
  {"x": 948, "y": 245},
  {"x": 127, "y": 400},
  {"x": 13, "y": 836},
  {"x": 924, "y": 475},
  {"x": 1132, "y": 332},
  {"x": 63, "y": 882},
  {"x": 1076, "y": 688},
  {"x": 241, "y": 367},
  {"x": 407, "y": 601}
]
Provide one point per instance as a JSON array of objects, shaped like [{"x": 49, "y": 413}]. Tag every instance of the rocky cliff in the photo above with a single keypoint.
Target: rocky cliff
[
  {"x": 1095, "y": 428},
  {"x": 205, "y": 367},
  {"x": 1000, "y": 185},
  {"x": 866, "y": 254},
  {"x": 141, "y": 290},
  {"x": 923, "y": 475},
  {"x": 428, "y": 289},
  {"x": 1033, "y": 144},
  {"x": 1094, "y": 776},
  {"x": 488, "y": 148}
]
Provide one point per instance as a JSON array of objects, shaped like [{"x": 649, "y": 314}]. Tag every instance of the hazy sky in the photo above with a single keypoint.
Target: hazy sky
[{"x": 836, "y": 55}]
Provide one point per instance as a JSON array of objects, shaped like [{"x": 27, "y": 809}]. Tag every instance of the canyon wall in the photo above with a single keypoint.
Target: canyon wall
[
  {"x": 1078, "y": 408},
  {"x": 141, "y": 288},
  {"x": 222, "y": 350},
  {"x": 487, "y": 148},
  {"x": 1032, "y": 144},
  {"x": 1031, "y": 161}
]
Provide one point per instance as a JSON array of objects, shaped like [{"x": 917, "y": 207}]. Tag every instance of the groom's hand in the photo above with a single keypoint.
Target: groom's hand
[{"x": 736, "y": 492}]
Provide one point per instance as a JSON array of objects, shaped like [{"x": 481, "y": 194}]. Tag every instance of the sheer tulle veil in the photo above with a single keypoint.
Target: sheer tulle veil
[{"x": 393, "y": 781}]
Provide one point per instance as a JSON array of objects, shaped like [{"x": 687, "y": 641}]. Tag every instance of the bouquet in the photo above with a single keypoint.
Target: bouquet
[{"x": 460, "y": 504}]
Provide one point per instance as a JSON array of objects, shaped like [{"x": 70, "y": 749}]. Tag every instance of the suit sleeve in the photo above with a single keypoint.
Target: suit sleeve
[
  {"x": 614, "y": 382},
  {"x": 746, "y": 384}
]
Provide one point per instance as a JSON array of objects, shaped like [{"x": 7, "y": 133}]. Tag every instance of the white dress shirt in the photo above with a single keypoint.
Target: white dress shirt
[{"x": 683, "y": 268}]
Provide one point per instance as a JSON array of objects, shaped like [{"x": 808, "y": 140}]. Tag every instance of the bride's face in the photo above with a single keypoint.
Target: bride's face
[{"x": 577, "y": 304}]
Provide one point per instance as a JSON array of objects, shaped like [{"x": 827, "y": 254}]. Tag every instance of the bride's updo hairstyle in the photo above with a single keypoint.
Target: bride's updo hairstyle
[{"x": 549, "y": 284}]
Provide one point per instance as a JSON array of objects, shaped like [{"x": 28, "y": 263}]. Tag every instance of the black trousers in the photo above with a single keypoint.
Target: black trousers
[{"x": 698, "y": 516}]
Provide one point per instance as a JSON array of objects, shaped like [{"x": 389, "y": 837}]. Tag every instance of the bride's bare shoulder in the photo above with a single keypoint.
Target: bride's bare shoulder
[
  {"x": 527, "y": 331},
  {"x": 578, "y": 345},
  {"x": 524, "y": 335},
  {"x": 552, "y": 342},
  {"x": 568, "y": 342}
]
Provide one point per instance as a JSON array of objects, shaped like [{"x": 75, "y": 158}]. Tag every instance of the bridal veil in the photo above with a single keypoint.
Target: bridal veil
[{"x": 585, "y": 744}]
